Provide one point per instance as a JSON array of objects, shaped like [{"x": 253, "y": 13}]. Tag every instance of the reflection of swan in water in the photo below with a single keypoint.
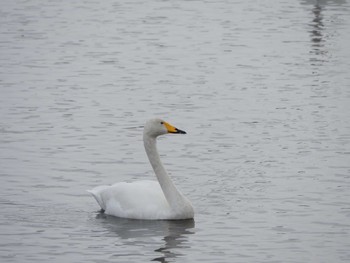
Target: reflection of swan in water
[
  {"x": 147, "y": 199},
  {"x": 134, "y": 232},
  {"x": 174, "y": 239}
]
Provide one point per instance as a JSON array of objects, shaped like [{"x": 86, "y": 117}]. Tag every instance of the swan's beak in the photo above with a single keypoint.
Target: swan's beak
[{"x": 172, "y": 129}]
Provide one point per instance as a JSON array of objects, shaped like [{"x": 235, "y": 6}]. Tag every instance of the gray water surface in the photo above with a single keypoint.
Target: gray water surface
[{"x": 261, "y": 87}]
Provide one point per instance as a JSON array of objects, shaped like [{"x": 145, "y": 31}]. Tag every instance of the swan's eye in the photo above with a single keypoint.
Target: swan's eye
[{"x": 162, "y": 122}]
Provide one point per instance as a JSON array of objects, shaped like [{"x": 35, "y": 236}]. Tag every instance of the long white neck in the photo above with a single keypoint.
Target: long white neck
[{"x": 173, "y": 196}]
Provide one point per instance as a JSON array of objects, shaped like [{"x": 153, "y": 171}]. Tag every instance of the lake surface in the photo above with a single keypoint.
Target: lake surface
[{"x": 261, "y": 87}]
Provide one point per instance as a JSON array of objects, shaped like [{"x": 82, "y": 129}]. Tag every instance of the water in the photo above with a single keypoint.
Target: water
[{"x": 262, "y": 89}]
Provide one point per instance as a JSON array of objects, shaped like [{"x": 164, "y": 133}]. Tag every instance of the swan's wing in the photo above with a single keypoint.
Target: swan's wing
[{"x": 141, "y": 199}]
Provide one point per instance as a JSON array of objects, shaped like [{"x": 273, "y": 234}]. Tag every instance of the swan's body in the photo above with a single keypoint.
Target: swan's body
[{"x": 146, "y": 199}]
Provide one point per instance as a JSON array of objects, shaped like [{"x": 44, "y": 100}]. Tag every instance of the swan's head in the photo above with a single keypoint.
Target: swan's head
[{"x": 156, "y": 127}]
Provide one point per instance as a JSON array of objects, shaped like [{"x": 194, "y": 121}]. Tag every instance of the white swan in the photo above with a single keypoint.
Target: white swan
[{"x": 147, "y": 199}]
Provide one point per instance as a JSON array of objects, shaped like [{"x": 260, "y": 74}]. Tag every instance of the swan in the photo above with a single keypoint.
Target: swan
[{"x": 145, "y": 199}]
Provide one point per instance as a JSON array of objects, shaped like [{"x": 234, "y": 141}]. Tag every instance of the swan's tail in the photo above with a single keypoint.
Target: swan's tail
[{"x": 96, "y": 193}]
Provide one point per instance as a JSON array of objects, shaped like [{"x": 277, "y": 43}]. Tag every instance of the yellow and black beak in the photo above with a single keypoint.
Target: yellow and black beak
[{"x": 172, "y": 129}]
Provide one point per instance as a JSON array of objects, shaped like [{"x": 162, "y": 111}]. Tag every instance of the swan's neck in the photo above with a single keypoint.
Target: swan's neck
[{"x": 175, "y": 199}]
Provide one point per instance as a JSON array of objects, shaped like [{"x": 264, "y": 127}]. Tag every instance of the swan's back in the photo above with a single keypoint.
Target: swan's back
[{"x": 139, "y": 200}]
